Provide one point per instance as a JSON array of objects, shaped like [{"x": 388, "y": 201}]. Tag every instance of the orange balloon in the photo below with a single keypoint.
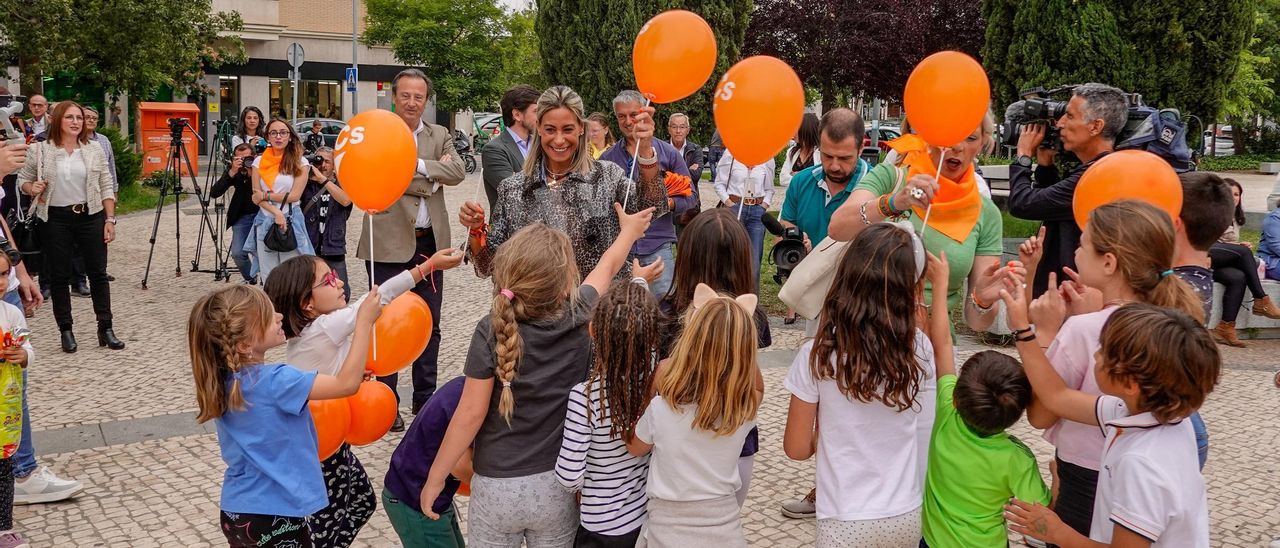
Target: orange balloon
[
  {"x": 403, "y": 330},
  {"x": 673, "y": 55},
  {"x": 1128, "y": 175},
  {"x": 373, "y": 409},
  {"x": 376, "y": 157},
  {"x": 758, "y": 106},
  {"x": 332, "y": 419},
  {"x": 946, "y": 98}
]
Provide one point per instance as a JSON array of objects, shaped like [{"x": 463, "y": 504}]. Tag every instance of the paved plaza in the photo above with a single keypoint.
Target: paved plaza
[{"x": 123, "y": 422}]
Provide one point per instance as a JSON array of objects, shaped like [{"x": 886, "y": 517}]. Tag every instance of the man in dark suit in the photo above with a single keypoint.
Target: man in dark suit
[
  {"x": 503, "y": 156},
  {"x": 417, "y": 225}
]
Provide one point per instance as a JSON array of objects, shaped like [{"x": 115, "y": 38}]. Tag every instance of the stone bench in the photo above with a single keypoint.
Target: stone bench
[
  {"x": 1269, "y": 168},
  {"x": 1248, "y": 325}
]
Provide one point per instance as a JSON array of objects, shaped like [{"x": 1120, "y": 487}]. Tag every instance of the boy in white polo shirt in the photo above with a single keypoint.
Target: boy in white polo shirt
[{"x": 1155, "y": 367}]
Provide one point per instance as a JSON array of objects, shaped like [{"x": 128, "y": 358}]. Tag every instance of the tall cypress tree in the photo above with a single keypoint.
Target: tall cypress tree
[{"x": 586, "y": 45}]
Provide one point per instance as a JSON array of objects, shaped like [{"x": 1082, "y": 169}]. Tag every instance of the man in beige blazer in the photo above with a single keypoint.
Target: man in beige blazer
[{"x": 417, "y": 224}]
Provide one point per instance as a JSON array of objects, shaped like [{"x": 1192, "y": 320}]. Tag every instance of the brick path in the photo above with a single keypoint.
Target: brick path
[{"x": 121, "y": 422}]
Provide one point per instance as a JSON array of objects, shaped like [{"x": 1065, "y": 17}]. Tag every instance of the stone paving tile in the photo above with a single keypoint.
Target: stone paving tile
[{"x": 164, "y": 492}]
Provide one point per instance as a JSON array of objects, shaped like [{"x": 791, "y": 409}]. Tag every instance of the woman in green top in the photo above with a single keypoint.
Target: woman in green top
[{"x": 963, "y": 223}]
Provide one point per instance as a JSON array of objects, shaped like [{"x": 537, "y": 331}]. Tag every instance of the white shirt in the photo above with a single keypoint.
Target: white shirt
[
  {"x": 73, "y": 175},
  {"x": 871, "y": 457},
  {"x": 39, "y": 125},
  {"x": 793, "y": 154},
  {"x": 688, "y": 464},
  {"x": 11, "y": 318},
  {"x": 423, "y": 219},
  {"x": 732, "y": 177},
  {"x": 1150, "y": 481},
  {"x": 283, "y": 183},
  {"x": 323, "y": 345}
]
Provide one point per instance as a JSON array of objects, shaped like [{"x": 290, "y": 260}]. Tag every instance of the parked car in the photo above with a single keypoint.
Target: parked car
[
  {"x": 329, "y": 128},
  {"x": 1221, "y": 144},
  {"x": 883, "y": 135}
]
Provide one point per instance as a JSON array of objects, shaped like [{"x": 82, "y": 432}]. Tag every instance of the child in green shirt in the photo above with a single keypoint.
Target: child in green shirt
[{"x": 974, "y": 465}]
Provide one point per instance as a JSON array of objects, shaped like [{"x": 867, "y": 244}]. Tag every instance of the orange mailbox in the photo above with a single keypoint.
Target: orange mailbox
[{"x": 156, "y": 135}]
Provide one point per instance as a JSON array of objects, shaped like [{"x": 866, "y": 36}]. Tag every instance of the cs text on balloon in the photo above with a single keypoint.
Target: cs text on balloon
[
  {"x": 758, "y": 106},
  {"x": 376, "y": 158}
]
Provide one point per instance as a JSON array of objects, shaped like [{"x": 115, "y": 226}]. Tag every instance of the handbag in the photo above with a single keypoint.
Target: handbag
[
  {"x": 806, "y": 289},
  {"x": 278, "y": 239}
]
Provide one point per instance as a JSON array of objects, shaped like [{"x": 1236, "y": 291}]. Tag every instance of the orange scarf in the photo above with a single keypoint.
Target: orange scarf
[
  {"x": 269, "y": 166},
  {"x": 957, "y": 205}
]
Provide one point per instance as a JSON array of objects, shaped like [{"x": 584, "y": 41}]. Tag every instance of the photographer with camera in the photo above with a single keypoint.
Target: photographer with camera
[
  {"x": 240, "y": 211},
  {"x": 1093, "y": 118},
  {"x": 326, "y": 208}
]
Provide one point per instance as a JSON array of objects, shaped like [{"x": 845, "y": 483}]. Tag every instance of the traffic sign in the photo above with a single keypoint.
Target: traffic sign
[
  {"x": 351, "y": 77},
  {"x": 295, "y": 55}
]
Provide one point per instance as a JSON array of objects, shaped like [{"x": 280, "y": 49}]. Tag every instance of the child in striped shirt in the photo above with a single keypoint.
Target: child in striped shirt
[{"x": 602, "y": 417}]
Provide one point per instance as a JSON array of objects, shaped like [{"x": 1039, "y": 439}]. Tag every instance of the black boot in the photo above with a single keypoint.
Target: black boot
[
  {"x": 107, "y": 338},
  {"x": 68, "y": 341}
]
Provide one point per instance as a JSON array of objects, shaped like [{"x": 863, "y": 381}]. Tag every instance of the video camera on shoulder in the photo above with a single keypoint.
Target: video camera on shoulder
[
  {"x": 788, "y": 253},
  {"x": 1162, "y": 132}
]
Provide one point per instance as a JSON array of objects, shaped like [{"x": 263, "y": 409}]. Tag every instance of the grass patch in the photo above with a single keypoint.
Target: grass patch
[
  {"x": 1239, "y": 162},
  {"x": 1252, "y": 236},
  {"x": 1018, "y": 228},
  {"x": 137, "y": 197}
]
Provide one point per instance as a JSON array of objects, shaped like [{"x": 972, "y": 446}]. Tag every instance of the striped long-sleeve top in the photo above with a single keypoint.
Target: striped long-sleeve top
[{"x": 612, "y": 481}]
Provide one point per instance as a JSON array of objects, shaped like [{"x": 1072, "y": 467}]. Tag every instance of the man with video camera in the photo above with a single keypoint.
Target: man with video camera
[
  {"x": 241, "y": 211},
  {"x": 1094, "y": 117}
]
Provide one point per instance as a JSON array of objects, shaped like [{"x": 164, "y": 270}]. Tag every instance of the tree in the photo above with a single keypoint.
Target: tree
[
  {"x": 866, "y": 47},
  {"x": 586, "y": 45},
  {"x": 452, "y": 40},
  {"x": 22, "y": 44},
  {"x": 521, "y": 62},
  {"x": 1176, "y": 54}
]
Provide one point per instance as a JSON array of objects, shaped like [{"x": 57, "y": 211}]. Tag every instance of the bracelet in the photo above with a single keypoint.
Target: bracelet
[
  {"x": 427, "y": 273},
  {"x": 648, "y": 161},
  {"x": 639, "y": 280},
  {"x": 978, "y": 304},
  {"x": 862, "y": 210},
  {"x": 1030, "y": 334}
]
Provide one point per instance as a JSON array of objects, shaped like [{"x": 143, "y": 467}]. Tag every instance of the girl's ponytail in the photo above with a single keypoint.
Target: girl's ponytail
[
  {"x": 1141, "y": 238},
  {"x": 220, "y": 322},
  {"x": 509, "y": 348}
]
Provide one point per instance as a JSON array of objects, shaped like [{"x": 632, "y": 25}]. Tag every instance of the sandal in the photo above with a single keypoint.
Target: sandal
[{"x": 788, "y": 320}]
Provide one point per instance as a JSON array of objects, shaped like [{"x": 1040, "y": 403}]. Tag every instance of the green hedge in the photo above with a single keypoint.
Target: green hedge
[
  {"x": 1239, "y": 162},
  {"x": 128, "y": 162}
]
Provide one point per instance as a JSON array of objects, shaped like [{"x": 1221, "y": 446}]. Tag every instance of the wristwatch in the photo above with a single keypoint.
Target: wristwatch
[
  {"x": 111, "y": 220},
  {"x": 1024, "y": 160}
]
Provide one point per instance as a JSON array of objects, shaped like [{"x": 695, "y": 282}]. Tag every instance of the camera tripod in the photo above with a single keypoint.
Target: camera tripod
[
  {"x": 218, "y": 155},
  {"x": 171, "y": 185}
]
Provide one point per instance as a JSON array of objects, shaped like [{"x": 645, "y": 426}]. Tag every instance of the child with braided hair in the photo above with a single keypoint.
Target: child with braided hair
[
  {"x": 603, "y": 412},
  {"x": 525, "y": 357}
]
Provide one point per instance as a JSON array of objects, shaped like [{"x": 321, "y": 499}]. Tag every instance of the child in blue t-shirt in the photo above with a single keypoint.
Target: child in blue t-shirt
[{"x": 265, "y": 432}]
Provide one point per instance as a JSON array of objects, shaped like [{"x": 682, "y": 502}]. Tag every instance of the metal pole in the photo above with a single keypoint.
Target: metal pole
[
  {"x": 296, "y": 78},
  {"x": 355, "y": 93}
]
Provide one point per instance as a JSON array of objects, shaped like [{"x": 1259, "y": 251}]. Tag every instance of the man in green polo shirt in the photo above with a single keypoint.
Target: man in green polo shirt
[
  {"x": 816, "y": 193},
  {"x": 812, "y": 197}
]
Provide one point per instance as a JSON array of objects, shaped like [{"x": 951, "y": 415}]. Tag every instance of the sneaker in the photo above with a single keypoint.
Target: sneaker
[
  {"x": 43, "y": 486},
  {"x": 10, "y": 539},
  {"x": 801, "y": 509}
]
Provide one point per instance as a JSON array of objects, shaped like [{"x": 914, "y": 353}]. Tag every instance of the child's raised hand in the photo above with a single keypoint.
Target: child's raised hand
[
  {"x": 1081, "y": 299},
  {"x": 1031, "y": 250},
  {"x": 1015, "y": 301},
  {"x": 938, "y": 272},
  {"x": 444, "y": 259},
  {"x": 371, "y": 308},
  {"x": 1049, "y": 310},
  {"x": 633, "y": 226},
  {"x": 1036, "y": 521},
  {"x": 649, "y": 272}
]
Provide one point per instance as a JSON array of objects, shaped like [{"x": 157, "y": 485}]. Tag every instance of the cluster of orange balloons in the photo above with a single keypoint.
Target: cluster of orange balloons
[
  {"x": 402, "y": 332},
  {"x": 359, "y": 419}
]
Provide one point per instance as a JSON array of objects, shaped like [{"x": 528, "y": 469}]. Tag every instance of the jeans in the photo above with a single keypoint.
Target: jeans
[
  {"x": 246, "y": 261},
  {"x": 25, "y": 458},
  {"x": 750, "y": 217},
  {"x": 268, "y": 259},
  {"x": 62, "y": 234},
  {"x": 660, "y": 286},
  {"x": 431, "y": 290},
  {"x": 1202, "y": 438},
  {"x": 416, "y": 530}
]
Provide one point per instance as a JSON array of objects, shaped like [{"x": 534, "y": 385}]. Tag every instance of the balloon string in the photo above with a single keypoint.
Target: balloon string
[
  {"x": 369, "y": 215},
  {"x": 928, "y": 210},
  {"x": 635, "y": 159}
]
